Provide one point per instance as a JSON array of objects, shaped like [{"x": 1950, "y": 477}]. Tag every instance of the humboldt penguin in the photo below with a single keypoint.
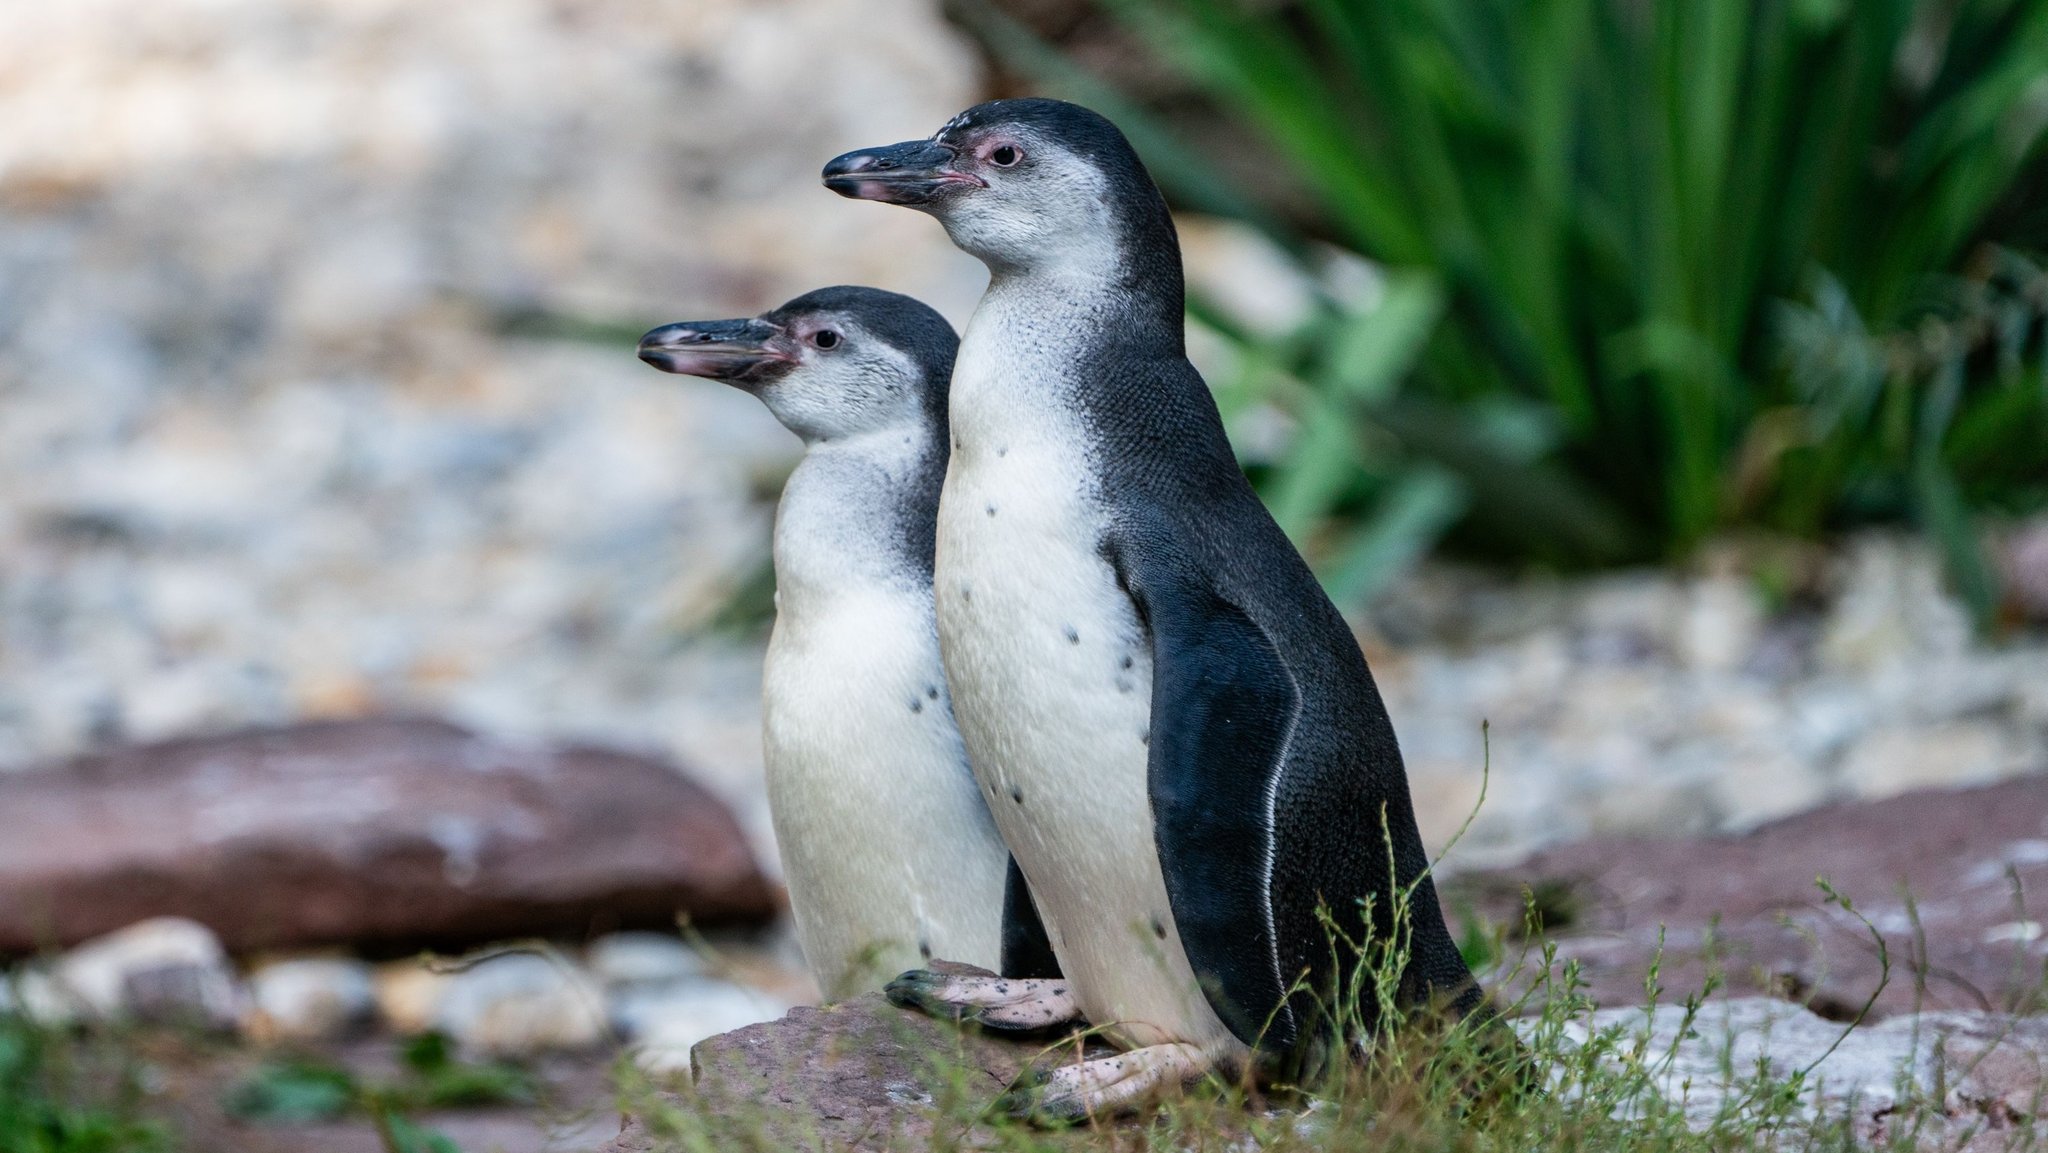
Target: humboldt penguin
[
  {"x": 1174, "y": 726},
  {"x": 888, "y": 851}
]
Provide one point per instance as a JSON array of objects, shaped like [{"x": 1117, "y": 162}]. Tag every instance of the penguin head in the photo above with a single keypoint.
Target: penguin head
[
  {"x": 1023, "y": 184},
  {"x": 830, "y": 364}
]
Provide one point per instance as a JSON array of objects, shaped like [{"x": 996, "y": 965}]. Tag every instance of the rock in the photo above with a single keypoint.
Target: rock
[
  {"x": 409, "y": 995},
  {"x": 165, "y": 969},
  {"x": 1251, "y": 279},
  {"x": 309, "y": 998},
  {"x": 661, "y": 995},
  {"x": 667, "y": 1022},
  {"x": 1767, "y": 785},
  {"x": 2026, "y": 570},
  {"x": 1893, "y": 607},
  {"x": 1888, "y": 761},
  {"x": 1930, "y": 1078},
  {"x": 623, "y": 960},
  {"x": 1722, "y": 624},
  {"x": 393, "y": 832},
  {"x": 859, "y": 1074},
  {"x": 1628, "y": 618},
  {"x": 1947, "y": 880},
  {"x": 32, "y": 992},
  {"x": 519, "y": 1004}
]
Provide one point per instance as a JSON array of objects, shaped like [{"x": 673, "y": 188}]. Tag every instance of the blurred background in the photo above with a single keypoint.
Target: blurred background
[
  {"x": 1621, "y": 365},
  {"x": 1663, "y": 385}
]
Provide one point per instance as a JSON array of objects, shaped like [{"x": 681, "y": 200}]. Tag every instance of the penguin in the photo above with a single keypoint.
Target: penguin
[
  {"x": 1174, "y": 727},
  {"x": 890, "y": 856}
]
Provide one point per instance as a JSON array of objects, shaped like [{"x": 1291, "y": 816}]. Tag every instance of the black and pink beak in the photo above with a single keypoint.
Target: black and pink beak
[
  {"x": 738, "y": 352},
  {"x": 912, "y": 173}
]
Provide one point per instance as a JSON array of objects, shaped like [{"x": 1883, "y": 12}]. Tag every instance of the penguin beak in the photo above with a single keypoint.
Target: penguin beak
[
  {"x": 737, "y": 352},
  {"x": 913, "y": 173}
]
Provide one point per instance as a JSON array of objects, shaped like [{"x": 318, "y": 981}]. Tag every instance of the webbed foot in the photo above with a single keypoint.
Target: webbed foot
[
  {"x": 1105, "y": 1086},
  {"x": 1008, "y": 1004}
]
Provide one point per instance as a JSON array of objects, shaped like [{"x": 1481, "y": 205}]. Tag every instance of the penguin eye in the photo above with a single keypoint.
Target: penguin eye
[
  {"x": 1005, "y": 155},
  {"x": 825, "y": 338}
]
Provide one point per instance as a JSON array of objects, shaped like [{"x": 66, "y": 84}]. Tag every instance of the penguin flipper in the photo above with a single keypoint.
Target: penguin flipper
[
  {"x": 1223, "y": 707},
  {"x": 1027, "y": 950}
]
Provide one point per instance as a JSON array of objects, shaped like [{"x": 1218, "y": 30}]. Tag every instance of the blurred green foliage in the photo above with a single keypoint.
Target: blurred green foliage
[
  {"x": 60, "y": 1094},
  {"x": 1652, "y": 269},
  {"x": 298, "y": 1090}
]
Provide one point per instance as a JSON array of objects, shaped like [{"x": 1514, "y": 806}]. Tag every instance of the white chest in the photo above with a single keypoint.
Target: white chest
[
  {"x": 1036, "y": 631},
  {"x": 889, "y": 853},
  {"x": 1051, "y": 678}
]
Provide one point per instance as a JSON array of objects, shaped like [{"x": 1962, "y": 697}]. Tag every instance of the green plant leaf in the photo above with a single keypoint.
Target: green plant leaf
[
  {"x": 292, "y": 1091},
  {"x": 1372, "y": 351}
]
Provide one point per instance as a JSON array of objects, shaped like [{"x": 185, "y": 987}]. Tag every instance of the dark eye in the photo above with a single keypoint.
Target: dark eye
[
  {"x": 825, "y": 338},
  {"x": 1005, "y": 155}
]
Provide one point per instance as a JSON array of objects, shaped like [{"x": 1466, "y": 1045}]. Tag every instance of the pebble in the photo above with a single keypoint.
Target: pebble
[
  {"x": 2026, "y": 570},
  {"x": 309, "y": 998},
  {"x": 664, "y": 1024},
  {"x": 638, "y": 959},
  {"x": 165, "y": 969},
  {"x": 409, "y": 995},
  {"x": 1892, "y": 760},
  {"x": 33, "y": 993},
  {"x": 520, "y": 1004}
]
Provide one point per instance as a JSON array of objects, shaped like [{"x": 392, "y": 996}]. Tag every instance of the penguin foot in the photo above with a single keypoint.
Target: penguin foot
[
  {"x": 1105, "y": 1086},
  {"x": 1007, "y": 1004}
]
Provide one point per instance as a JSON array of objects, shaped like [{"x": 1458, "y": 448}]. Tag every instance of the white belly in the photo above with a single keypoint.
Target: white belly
[
  {"x": 1051, "y": 677},
  {"x": 888, "y": 851}
]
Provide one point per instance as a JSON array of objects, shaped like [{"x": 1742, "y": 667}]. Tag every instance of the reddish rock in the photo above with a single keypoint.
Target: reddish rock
[
  {"x": 1955, "y": 884},
  {"x": 391, "y": 833},
  {"x": 2026, "y": 570}
]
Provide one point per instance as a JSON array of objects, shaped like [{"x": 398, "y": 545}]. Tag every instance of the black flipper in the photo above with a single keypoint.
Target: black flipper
[
  {"x": 1027, "y": 951},
  {"x": 1223, "y": 706}
]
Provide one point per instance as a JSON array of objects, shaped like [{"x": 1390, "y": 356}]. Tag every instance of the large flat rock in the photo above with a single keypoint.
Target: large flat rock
[
  {"x": 862, "y": 1074},
  {"x": 1954, "y": 883},
  {"x": 391, "y": 832}
]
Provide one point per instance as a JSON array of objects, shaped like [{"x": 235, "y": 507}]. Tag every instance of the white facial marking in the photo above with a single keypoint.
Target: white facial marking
[
  {"x": 858, "y": 385},
  {"x": 1049, "y": 213}
]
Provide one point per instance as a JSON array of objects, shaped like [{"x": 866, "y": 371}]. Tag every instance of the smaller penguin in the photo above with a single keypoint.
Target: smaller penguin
[{"x": 890, "y": 855}]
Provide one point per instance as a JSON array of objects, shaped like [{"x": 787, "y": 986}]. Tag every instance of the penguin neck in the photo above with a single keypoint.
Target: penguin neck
[
  {"x": 1134, "y": 304},
  {"x": 856, "y": 515},
  {"x": 1120, "y": 256}
]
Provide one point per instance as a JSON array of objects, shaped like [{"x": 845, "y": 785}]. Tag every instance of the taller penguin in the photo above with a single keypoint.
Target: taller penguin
[{"x": 1172, "y": 724}]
